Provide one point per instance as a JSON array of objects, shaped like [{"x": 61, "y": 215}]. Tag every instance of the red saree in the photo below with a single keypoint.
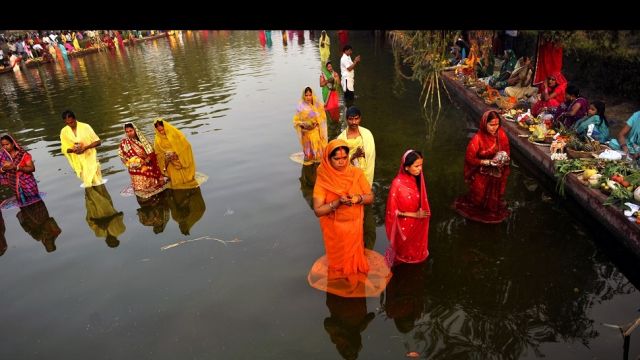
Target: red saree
[
  {"x": 146, "y": 177},
  {"x": 485, "y": 200},
  {"x": 559, "y": 89},
  {"x": 408, "y": 237}
]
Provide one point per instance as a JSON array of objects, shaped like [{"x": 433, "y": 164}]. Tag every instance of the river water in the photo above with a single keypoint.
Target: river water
[{"x": 541, "y": 284}]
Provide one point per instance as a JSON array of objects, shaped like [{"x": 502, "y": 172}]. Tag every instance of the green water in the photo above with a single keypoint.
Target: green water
[{"x": 543, "y": 283}]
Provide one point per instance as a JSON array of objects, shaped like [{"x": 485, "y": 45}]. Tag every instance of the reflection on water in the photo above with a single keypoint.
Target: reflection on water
[
  {"x": 36, "y": 222},
  {"x": 105, "y": 221},
  {"x": 348, "y": 319},
  {"x": 307, "y": 182},
  {"x": 404, "y": 302},
  {"x": 154, "y": 211},
  {"x": 187, "y": 207},
  {"x": 535, "y": 286}
]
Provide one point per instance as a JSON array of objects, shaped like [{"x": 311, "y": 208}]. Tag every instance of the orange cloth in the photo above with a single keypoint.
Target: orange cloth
[{"x": 347, "y": 269}]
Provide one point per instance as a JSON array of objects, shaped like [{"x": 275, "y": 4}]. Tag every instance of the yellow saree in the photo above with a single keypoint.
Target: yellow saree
[
  {"x": 85, "y": 165},
  {"x": 175, "y": 156}
]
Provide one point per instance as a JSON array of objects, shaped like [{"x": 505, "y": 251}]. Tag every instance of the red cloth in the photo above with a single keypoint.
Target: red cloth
[
  {"x": 549, "y": 61},
  {"x": 485, "y": 200},
  {"x": 408, "y": 237},
  {"x": 343, "y": 38},
  {"x": 560, "y": 89}
]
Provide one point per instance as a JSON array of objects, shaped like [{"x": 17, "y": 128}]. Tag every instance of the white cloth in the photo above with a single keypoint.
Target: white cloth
[
  {"x": 512, "y": 33},
  {"x": 346, "y": 75}
]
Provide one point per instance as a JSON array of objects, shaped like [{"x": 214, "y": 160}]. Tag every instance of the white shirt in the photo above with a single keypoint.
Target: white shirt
[{"x": 347, "y": 76}]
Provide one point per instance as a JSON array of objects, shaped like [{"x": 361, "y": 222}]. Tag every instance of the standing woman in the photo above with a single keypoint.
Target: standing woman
[
  {"x": 486, "y": 168},
  {"x": 174, "y": 155},
  {"x": 339, "y": 196},
  {"x": 137, "y": 155},
  {"x": 310, "y": 122},
  {"x": 324, "y": 45},
  {"x": 329, "y": 82},
  {"x": 408, "y": 213},
  {"x": 16, "y": 172}
]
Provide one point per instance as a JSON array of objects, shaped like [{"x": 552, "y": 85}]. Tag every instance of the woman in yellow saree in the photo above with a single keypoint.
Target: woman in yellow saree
[
  {"x": 310, "y": 122},
  {"x": 324, "y": 45},
  {"x": 175, "y": 156}
]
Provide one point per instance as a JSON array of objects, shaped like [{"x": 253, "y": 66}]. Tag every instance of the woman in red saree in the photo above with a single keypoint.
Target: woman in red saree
[
  {"x": 552, "y": 93},
  {"x": 408, "y": 213},
  {"x": 486, "y": 168},
  {"x": 339, "y": 196},
  {"x": 137, "y": 155},
  {"x": 16, "y": 172}
]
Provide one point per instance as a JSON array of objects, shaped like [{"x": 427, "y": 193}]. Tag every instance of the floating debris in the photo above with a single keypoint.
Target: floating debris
[
  {"x": 229, "y": 212},
  {"x": 224, "y": 242}
]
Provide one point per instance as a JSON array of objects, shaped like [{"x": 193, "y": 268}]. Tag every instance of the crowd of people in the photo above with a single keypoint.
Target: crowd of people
[
  {"x": 546, "y": 92},
  {"x": 345, "y": 175},
  {"x": 167, "y": 164},
  {"x": 17, "y": 49}
]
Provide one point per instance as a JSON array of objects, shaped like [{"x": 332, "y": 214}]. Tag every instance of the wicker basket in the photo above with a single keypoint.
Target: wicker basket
[{"x": 575, "y": 154}]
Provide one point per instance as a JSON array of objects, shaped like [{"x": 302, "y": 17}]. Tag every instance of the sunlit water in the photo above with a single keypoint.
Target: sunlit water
[{"x": 540, "y": 284}]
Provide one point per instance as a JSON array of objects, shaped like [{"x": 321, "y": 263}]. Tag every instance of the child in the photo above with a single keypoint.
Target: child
[{"x": 594, "y": 124}]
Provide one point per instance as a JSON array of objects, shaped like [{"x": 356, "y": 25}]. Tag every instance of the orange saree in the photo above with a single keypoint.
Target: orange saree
[{"x": 347, "y": 269}]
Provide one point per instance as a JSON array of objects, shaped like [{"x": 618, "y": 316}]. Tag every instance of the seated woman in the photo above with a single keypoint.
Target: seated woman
[
  {"x": 629, "y": 137},
  {"x": 339, "y": 196},
  {"x": 486, "y": 168},
  {"x": 577, "y": 108},
  {"x": 520, "y": 80},
  {"x": 310, "y": 122},
  {"x": 16, "y": 172},
  {"x": 174, "y": 155},
  {"x": 137, "y": 155},
  {"x": 484, "y": 67},
  {"x": 501, "y": 81},
  {"x": 594, "y": 124},
  {"x": 552, "y": 93},
  {"x": 329, "y": 82},
  {"x": 408, "y": 213}
]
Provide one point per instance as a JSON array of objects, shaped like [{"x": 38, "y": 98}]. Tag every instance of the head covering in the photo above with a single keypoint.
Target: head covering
[
  {"x": 141, "y": 138},
  {"x": 173, "y": 140},
  {"x": 338, "y": 182}
]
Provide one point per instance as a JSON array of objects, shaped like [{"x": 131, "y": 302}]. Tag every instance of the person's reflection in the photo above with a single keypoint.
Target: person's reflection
[
  {"x": 36, "y": 222},
  {"x": 307, "y": 182},
  {"x": 154, "y": 211},
  {"x": 105, "y": 221},
  {"x": 349, "y": 317},
  {"x": 267, "y": 33},
  {"x": 3, "y": 240},
  {"x": 369, "y": 228},
  {"x": 187, "y": 207},
  {"x": 405, "y": 299}
]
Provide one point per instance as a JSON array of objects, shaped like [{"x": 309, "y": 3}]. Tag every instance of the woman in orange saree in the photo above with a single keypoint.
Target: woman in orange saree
[{"x": 339, "y": 196}]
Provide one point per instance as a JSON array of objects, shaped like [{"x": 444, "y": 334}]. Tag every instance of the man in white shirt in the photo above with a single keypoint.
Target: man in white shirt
[{"x": 347, "y": 73}]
